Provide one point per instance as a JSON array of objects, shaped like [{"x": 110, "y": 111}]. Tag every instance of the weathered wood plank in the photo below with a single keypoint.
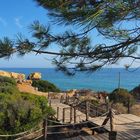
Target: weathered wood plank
[{"x": 126, "y": 125}]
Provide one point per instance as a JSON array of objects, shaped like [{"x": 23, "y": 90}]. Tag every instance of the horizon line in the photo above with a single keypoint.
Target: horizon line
[{"x": 55, "y": 68}]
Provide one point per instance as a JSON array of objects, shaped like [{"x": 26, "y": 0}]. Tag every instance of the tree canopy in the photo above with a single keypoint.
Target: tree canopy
[{"x": 117, "y": 21}]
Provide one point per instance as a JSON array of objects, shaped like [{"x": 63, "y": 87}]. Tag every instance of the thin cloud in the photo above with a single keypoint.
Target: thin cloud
[
  {"x": 18, "y": 22},
  {"x": 3, "y": 22}
]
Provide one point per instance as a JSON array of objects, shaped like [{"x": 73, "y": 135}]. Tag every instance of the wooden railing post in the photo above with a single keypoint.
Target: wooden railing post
[
  {"x": 96, "y": 109},
  {"x": 75, "y": 114},
  {"x": 45, "y": 129},
  {"x": 128, "y": 106},
  {"x": 87, "y": 110},
  {"x": 112, "y": 133},
  {"x": 66, "y": 101},
  {"x": 62, "y": 99},
  {"x": 111, "y": 120},
  {"x": 107, "y": 106},
  {"x": 57, "y": 113},
  {"x": 63, "y": 115},
  {"x": 71, "y": 114}
]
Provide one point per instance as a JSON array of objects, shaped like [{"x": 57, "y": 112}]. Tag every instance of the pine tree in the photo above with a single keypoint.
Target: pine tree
[{"x": 107, "y": 17}]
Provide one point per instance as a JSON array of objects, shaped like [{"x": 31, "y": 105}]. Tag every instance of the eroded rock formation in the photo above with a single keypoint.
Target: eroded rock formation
[
  {"x": 35, "y": 76},
  {"x": 17, "y": 76}
]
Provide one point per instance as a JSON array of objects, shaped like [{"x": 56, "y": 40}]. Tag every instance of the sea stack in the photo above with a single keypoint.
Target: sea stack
[{"x": 35, "y": 76}]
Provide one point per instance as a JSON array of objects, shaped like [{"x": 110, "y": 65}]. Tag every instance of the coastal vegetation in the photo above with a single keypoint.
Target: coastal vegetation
[
  {"x": 120, "y": 108},
  {"x": 20, "y": 111},
  {"x": 136, "y": 92},
  {"x": 7, "y": 81},
  {"x": 94, "y": 102},
  {"x": 123, "y": 96},
  {"x": 45, "y": 86}
]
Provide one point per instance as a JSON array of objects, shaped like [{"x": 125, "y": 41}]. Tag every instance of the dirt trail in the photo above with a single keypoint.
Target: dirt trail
[{"x": 24, "y": 87}]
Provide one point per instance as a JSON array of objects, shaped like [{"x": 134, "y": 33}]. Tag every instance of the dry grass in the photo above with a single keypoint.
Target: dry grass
[
  {"x": 29, "y": 89},
  {"x": 135, "y": 109},
  {"x": 120, "y": 108}
]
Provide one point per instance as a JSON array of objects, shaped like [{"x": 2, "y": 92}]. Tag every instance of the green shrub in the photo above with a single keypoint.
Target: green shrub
[
  {"x": 45, "y": 86},
  {"x": 8, "y": 85},
  {"x": 7, "y": 81},
  {"x": 20, "y": 111},
  {"x": 136, "y": 92},
  {"x": 95, "y": 102},
  {"x": 39, "y": 101},
  {"x": 8, "y": 89},
  {"x": 121, "y": 96}
]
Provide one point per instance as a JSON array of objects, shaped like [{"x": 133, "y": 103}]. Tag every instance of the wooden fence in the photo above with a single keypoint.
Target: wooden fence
[
  {"x": 86, "y": 107},
  {"x": 46, "y": 130}
]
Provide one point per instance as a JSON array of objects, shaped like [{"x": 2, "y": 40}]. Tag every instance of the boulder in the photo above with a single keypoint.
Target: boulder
[{"x": 35, "y": 76}]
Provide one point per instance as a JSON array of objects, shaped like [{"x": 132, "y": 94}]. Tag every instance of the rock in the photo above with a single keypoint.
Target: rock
[
  {"x": 17, "y": 76},
  {"x": 71, "y": 93},
  {"x": 28, "y": 82},
  {"x": 35, "y": 76},
  {"x": 4, "y": 73}
]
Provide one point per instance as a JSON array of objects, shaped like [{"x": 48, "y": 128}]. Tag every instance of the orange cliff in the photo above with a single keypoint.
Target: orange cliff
[{"x": 17, "y": 76}]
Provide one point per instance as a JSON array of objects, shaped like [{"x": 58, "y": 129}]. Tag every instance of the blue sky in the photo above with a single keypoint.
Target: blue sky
[{"x": 15, "y": 17}]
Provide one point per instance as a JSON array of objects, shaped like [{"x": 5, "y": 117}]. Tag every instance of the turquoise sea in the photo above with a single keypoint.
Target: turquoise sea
[{"x": 104, "y": 80}]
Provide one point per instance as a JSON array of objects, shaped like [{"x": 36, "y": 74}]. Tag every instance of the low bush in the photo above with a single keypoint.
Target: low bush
[
  {"x": 120, "y": 108},
  {"x": 135, "y": 109},
  {"x": 7, "y": 81},
  {"x": 136, "y": 92},
  {"x": 20, "y": 111},
  {"x": 45, "y": 86},
  {"x": 121, "y": 95},
  {"x": 8, "y": 89},
  {"x": 95, "y": 102},
  {"x": 8, "y": 85}
]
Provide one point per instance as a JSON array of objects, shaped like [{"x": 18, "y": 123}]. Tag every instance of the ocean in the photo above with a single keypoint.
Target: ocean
[{"x": 106, "y": 79}]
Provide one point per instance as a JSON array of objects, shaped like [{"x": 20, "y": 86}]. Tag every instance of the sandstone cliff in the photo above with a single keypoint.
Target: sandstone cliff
[
  {"x": 4, "y": 73},
  {"x": 17, "y": 76},
  {"x": 35, "y": 76}
]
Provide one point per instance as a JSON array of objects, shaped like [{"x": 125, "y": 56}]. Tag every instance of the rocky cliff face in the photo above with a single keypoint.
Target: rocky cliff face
[
  {"x": 4, "y": 73},
  {"x": 21, "y": 77},
  {"x": 17, "y": 76},
  {"x": 35, "y": 76}
]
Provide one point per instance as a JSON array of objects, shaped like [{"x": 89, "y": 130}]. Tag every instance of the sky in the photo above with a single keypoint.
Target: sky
[{"x": 15, "y": 17}]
